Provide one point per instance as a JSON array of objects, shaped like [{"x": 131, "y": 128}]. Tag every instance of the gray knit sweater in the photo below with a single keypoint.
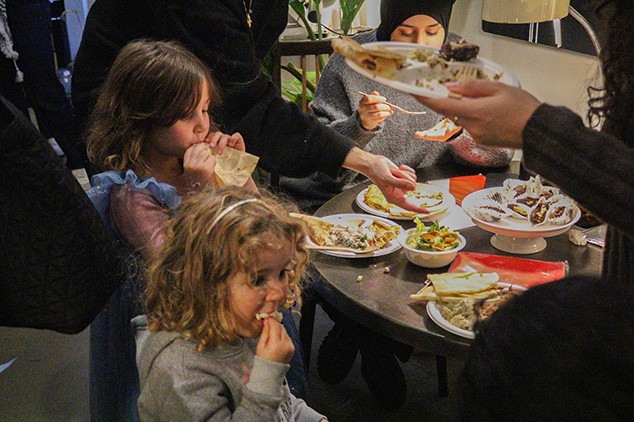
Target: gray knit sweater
[
  {"x": 179, "y": 383},
  {"x": 336, "y": 103}
]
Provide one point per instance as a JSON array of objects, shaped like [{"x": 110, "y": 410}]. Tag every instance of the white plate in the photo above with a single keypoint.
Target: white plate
[
  {"x": 511, "y": 226},
  {"x": 434, "y": 313},
  {"x": 448, "y": 202},
  {"x": 405, "y": 79},
  {"x": 353, "y": 220}
]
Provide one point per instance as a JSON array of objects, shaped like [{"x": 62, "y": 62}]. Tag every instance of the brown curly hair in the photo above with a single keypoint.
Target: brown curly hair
[
  {"x": 187, "y": 278},
  {"x": 615, "y": 100},
  {"x": 151, "y": 84}
]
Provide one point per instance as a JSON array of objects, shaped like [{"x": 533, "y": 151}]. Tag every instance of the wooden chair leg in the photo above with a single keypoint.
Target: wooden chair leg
[
  {"x": 306, "y": 326},
  {"x": 441, "y": 370}
]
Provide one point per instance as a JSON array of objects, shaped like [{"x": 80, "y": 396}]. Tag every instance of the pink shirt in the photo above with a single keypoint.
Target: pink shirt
[{"x": 137, "y": 218}]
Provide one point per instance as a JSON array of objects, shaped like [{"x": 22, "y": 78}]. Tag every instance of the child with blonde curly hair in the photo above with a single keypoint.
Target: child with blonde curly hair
[{"x": 229, "y": 261}]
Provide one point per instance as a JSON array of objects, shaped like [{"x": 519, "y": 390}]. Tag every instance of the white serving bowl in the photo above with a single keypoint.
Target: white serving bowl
[{"x": 428, "y": 259}]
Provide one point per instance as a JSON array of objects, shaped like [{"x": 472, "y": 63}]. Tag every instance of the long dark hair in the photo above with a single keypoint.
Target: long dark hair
[{"x": 615, "y": 101}]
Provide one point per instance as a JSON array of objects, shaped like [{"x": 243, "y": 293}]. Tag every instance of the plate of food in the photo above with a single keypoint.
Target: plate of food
[
  {"x": 351, "y": 235},
  {"x": 434, "y": 199},
  {"x": 455, "y": 301},
  {"x": 521, "y": 209},
  {"x": 419, "y": 69}
]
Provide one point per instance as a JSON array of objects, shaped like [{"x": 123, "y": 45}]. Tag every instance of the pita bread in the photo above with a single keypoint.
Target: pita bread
[
  {"x": 233, "y": 167},
  {"x": 378, "y": 60},
  {"x": 441, "y": 132},
  {"x": 457, "y": 286}
]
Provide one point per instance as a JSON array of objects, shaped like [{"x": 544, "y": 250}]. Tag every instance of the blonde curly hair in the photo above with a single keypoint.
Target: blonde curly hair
[
  {"x": 151, "y": 84},
  {"x": 187, "y": 278}
]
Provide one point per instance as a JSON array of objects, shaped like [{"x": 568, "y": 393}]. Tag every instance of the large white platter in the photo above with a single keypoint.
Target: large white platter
[
  {"x": 515, "y": 235},
  {"x": 433, "y": 310},
  {"x": 448, "y": 202},
  {"x": 406, "y": 78},
  {"x": 354, "y": 220}
]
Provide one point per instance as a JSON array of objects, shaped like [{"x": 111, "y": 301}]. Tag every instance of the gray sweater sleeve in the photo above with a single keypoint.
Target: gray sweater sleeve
[{"x": 335, "y": 108}]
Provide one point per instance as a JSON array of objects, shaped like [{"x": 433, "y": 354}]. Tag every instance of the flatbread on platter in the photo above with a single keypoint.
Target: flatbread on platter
[
  {"x": 457, "y": 286},
  {"x": 363, "y": 236},
  {"x": 422, "y": 196}
]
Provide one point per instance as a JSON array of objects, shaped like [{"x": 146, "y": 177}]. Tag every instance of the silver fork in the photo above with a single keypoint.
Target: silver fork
[{"x": 397, "y": 107}]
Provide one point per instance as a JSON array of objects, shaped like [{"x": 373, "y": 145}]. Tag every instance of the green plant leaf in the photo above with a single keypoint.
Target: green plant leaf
[{"x": 349, "y": 10}]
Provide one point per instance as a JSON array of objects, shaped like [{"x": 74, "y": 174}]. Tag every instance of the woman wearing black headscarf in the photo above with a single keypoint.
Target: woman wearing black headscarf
[
  {"x": 373, "y": 125},
  {"x": 365, "y": 120},
  {"x": 430, "y": 20}
]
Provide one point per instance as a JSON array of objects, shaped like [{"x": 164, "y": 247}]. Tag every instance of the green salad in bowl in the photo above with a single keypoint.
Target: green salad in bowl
[
  {"x": 431, "y": 247},
  {"x": 435, "y": 238}
]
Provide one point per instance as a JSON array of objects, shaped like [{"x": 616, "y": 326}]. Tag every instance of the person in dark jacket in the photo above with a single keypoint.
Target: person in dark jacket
[
  {"x": 560, "y": 351},
  {"x": 231, "y": 37},
  {"x": 596, "y": 168}
]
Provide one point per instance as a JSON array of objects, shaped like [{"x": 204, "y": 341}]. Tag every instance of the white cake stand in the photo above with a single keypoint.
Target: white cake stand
[{"x": 514, "y": 235}]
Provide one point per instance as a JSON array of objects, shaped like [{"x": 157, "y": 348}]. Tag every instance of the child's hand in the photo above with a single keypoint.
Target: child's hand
[
  {"x": 275, "y": 344},
  {"x": 198, "y": 164},
  {"x": 234, "y": 141},
  {"x": 373, "y": 111}
]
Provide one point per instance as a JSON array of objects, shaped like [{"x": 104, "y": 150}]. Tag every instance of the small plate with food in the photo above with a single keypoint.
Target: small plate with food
[
  {"x": 351, "y": 235},
  {"x": 432, "y": 198},
  {"x": 455, "y": 301},
  {"x": 420, "y": 70}
]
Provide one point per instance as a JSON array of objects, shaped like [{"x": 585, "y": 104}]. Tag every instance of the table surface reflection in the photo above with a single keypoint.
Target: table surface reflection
[{"x": 381, "y": 300}]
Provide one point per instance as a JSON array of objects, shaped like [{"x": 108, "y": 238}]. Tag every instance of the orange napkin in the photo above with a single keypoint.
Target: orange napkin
[
  {"x": 462, "y": 186},
  {"x": 520, "y": 271}
]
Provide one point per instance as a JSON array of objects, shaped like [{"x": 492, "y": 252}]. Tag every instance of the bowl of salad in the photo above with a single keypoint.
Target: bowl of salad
[{"x": 432, "y": 246}]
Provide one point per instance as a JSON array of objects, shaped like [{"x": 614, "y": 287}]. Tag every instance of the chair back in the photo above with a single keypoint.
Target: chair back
[{"x": 307, "y": 51}]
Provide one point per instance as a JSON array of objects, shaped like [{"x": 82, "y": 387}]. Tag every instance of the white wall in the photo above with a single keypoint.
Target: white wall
[{"x": 558, "y": 77}]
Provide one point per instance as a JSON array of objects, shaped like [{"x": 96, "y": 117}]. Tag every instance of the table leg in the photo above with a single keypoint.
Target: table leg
[{"x": 441, "y": 369}]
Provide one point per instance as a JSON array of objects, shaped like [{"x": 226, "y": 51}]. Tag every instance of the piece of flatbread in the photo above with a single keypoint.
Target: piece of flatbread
[
  {"x": 462, "y": 283},
  {"x": 276, "y": 315},
  {"x": 377, "y": 60},
  {"x": 233, "y": 167},
  {"x": 423, "y": 197},
  {"x": 324, "y": 233},
  {"x": 457, "y": 286},
  {"x": 443, "y": 131}
]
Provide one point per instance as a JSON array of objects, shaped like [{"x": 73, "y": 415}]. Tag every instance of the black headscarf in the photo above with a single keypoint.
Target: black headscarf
[{"x": 394, "y": 12}]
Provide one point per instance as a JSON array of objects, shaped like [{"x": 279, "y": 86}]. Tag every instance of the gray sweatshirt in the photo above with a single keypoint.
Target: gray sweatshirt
[
  {"x": 179, "y": 383},
  {"x": 336, "y": 103}
]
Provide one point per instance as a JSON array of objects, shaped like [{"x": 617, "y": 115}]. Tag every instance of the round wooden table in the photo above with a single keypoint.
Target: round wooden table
[{"x": 381, "y": 300}]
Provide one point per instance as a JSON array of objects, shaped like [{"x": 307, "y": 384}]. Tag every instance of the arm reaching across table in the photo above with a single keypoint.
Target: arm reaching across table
[{"x": 392, "y": 180}]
